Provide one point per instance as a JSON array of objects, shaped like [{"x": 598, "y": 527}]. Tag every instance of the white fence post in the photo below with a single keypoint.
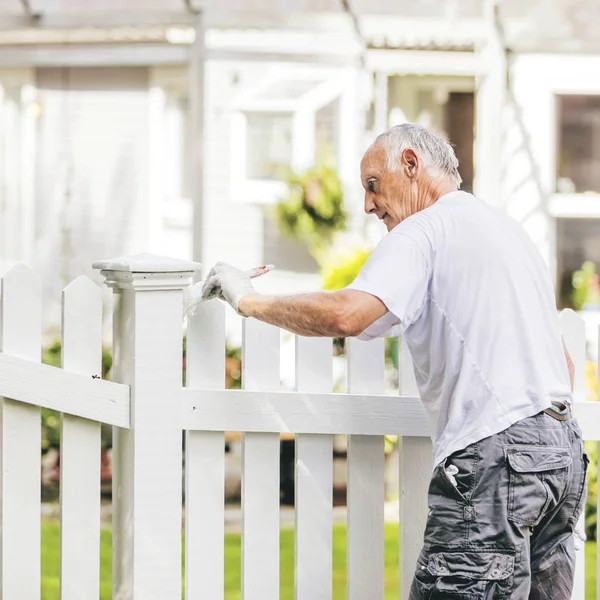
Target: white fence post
[
  {"x": 20, "y": 461},
  {"x": 416, "y": 458},
  {"x": 147, "y": 477},
  {"x": 366, "y": 456}
]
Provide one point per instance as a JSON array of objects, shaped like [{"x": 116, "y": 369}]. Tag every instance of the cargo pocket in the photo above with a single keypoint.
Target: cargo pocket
[
  {"x": 538, "y": 477},
  {"x": 468, "y": 575}
]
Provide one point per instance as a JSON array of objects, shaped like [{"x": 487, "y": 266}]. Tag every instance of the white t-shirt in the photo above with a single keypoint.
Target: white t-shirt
[{"x": 469, "y": 291}]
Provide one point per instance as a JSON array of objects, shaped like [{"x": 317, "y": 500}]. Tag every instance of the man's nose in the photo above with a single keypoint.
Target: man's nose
[{"x": 370, "y": 206}]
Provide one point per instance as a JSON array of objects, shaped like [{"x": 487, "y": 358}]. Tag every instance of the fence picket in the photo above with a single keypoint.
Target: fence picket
[
  {"x": 366, "y": 456},
  {"x": 314, "y": 479},
  {"x": 416, "y": 458},
  {"x": 260, "y": 470},
  {"x": 80, "y": 448},
  {"x": 20, "y": 335},
  {"x": 205, "y": 460},
  {"x": 573, "y": 332}
]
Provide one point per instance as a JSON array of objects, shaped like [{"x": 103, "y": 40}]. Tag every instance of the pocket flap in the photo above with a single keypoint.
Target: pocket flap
[
  {"x": 472, "y": 565},
  {"x": 534, "y": 459}
]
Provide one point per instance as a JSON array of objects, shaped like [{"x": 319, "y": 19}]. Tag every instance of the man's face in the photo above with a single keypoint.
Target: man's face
[{"x": 387, "y": 194}]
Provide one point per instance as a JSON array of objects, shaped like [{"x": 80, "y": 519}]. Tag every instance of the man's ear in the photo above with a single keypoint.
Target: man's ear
[{"x": 410, "y": 163}]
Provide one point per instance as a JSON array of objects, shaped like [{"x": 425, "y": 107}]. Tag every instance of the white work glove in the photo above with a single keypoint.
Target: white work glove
[{"x": 230, "y": 284}]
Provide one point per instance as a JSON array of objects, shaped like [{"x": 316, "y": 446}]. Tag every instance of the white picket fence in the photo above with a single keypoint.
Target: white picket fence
[{"x": 150, "y": 409}]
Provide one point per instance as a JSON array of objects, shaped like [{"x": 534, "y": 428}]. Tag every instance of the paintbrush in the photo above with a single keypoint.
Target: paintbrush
[{"x": 193, "y": 294}]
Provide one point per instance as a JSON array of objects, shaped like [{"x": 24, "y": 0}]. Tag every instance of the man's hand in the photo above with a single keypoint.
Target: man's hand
[{"x": 229, "y": 284}]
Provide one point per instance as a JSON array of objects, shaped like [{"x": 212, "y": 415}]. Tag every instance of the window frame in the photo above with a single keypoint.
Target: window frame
[
  {"x": 569, "y": 204},
  {"x": 303, "y": 111}
]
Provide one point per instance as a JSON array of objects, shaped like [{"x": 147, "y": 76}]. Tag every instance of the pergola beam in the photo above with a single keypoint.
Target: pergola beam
[
  {"x": 144, "y": 55},
  {"x": 423, "y": 62},
  {"x": 303, "y": 21}
]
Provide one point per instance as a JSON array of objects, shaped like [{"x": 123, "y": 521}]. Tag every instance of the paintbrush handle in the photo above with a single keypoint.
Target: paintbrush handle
[{"x": 258, "y": 271}]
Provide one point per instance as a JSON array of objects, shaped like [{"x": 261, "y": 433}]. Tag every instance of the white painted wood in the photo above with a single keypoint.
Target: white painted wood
[
  {"x": 588, "y": 417},
  {"x": 196, "y": 115},
  {"x": 573, "y": 332},
  {"x": 80, "y": 448},
  {"x": 381, "y": 101},
  {"x": 72, "y": 393},
  {"x": 157, "y": 185},
  {"x": 239, "y": 410},
  {"x": 575, "y": 206},
  {"x": 416, "y": 466},
  {"x": 147, "y": 323},
  {"x": 260, "y": 470},
  {"x": 366, "y": 455},
  {"x": 313, "y": 480},
  {"x": 27, "y": 174},
  {"x": 95, "y": 55},
  {"x": 490, "y": 99},
  {"x": 205, "y": 460},
  {"x": 417, "y": 62},
  {"x": 20, "y": 457}
]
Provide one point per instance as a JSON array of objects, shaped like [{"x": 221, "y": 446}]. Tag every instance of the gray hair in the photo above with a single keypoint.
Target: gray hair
[{"x": 433, "y": 149}]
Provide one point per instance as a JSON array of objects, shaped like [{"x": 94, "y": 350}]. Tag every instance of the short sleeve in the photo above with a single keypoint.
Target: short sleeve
[{"x": 398, "y": 273}]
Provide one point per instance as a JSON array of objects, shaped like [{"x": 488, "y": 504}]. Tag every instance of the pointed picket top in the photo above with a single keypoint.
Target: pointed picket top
[
  {"x": 82, "y": 286},
  {"x": 82, "y": 326},
  {"x": 20, "y": 312},
  {"x": 573, "y": 332}
]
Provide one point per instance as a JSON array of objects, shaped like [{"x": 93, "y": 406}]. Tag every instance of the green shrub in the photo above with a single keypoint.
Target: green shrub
[
  {"x": 313, "y": 212},
  {"x": 591, "y": 506},
  {"x": 585, "y": 286},
  {"x": 340, "y": 273}
]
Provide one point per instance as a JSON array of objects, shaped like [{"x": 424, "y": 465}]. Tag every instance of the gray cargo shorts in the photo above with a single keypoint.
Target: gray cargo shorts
[{"x": 502, "y": 515}]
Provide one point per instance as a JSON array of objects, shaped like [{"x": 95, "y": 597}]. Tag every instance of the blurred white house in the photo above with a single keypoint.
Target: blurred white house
[{"x": 99, "y": 105}]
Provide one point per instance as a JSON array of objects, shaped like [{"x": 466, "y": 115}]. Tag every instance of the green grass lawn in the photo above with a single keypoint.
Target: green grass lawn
[{"x": 50, "y": 564}]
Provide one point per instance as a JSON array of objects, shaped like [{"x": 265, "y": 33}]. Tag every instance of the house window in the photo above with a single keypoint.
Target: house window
[
  {"x": 268, "y": 145},
  {"x": 578, "y": 152},
  {"x": 327, "y": 133}
]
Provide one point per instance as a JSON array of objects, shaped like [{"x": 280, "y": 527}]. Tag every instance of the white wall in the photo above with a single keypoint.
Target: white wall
[
  {"x": 17, "y": 163},
  {"x": 91, "y": 198}
]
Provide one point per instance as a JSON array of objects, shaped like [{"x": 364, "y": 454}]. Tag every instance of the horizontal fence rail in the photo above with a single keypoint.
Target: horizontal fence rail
[
  {"x": 300, "y": 412},
  {"x": 64, "y": 391}
]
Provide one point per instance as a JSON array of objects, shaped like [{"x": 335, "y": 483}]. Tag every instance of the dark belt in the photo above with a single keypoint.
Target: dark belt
[{"x": 559, "y": 411}]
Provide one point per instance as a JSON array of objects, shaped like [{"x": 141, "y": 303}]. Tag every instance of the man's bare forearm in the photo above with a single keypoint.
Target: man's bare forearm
[{"x": 319, "y": 314}]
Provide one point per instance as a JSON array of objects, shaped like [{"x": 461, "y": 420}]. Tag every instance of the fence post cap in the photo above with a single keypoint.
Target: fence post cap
[{"x": 147, "y": 271}]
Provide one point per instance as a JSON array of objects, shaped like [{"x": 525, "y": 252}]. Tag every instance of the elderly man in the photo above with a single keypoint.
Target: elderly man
[{"x": 467, "y": 288}]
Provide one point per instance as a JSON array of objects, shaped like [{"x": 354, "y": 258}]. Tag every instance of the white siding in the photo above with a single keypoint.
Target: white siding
[
  {"x": 92, "y": 174},
  {"x": 233, "y": 228},
  {"x": 530, "y": 134}
]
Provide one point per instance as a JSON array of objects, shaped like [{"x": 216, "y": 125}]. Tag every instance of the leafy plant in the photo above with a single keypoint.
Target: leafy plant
[
  {"x": 341, "y": 273},
  {"x": 313, "y": 212},
  {"x": 591, "y": 515},
  {"x": 586, "y": 286}
]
